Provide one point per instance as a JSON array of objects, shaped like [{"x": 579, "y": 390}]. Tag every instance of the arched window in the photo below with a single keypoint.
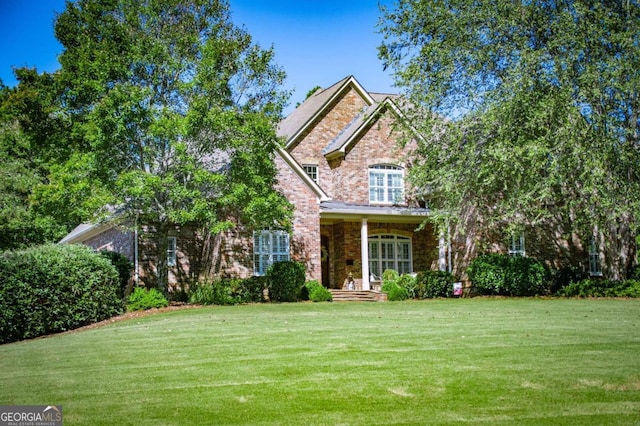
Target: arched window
[
  {"x": 390, "y": 252},
  {"x": 386, "y": 184}
]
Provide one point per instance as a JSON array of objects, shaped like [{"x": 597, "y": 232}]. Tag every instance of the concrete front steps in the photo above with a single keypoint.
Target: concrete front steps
[{"x": 357, "y": 295}]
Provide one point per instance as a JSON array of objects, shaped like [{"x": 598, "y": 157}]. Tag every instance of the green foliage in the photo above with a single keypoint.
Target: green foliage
[
  {"x": 227, "y": 291},
  {"x": 527, "y": 277},
  {"x": 432, "y": 284},
  {"x": 395, "y": 292},
  {"x": 390, "y": 275},
  {"x": 285, "y": 281},
  {"x": 602, "y": 288},
  {"x": 219, "y": 292},
  {"x": 500, "y": 274},
  {"x": 123, "y": 266},
  {"x": 142, "y": 299},
  {"x": 53, "y": 288},
  {"x": 410, "y": 283},
  {"x": 317, "y": 292},
  {"x": 488, "y": 273},
  {"x": 541, "y": 105},
  {"x": 564, "y": 276},
  {"x": 179, "y": 121}
]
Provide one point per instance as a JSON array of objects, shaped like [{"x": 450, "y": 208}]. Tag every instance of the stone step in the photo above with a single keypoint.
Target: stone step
[{"x": 357, "y": 296}]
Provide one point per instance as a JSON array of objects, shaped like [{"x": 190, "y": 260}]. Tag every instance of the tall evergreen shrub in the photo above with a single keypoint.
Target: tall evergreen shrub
[
  {"x": 53, "y": 288},
  {"x": 285, "y": 281}
]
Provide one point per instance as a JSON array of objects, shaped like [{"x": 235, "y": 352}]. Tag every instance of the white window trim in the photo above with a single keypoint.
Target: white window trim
[
  {"x": 397, "y": 240},
  {"x": 263, "y": 250},
  {"x": 172, "y": 250},
  {"x": 387, "y": 170},
  {"x": 515, "y": 240},
  {"x": 315, "y": 170}
]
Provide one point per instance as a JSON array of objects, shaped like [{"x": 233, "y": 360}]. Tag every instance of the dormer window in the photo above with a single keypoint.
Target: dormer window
[
  {"x": 312, "y": 171},
  {"x": 386, "y": 184}
]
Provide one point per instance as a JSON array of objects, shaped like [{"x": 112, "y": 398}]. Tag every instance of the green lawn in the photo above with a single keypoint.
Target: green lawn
[{"x": 465, "y": 361}]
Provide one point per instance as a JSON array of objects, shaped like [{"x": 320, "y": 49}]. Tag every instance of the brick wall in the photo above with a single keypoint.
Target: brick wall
[
  {"x": 323, "y": 131},
  {"x": 305, "y": 244},
  {"x": 345, "y": 248}
]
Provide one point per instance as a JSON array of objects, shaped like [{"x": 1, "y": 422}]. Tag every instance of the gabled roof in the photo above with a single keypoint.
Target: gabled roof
[
  {"x": 84, "y": 231},
  {"x": 315, "y": 106},
  {"x": 349, "y": 134}
]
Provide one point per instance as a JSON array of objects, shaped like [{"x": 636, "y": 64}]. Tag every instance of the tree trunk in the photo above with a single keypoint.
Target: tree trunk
[
  {"x": 620, "y": 249},
  {"x": 162, "y": 269}
]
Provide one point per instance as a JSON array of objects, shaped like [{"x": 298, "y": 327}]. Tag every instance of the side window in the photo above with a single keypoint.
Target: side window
[
  {"x": 516, "y": 244},
  {"x": 269, "y": 247},
  {"x": 171, "y": 251}
]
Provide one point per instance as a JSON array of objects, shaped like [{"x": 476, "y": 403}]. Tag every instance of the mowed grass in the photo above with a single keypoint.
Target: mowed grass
[{"x": 466, "y": 361}]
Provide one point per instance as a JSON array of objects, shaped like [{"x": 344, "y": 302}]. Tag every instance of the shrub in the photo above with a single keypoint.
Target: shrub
[
  {"x": 285, "y": 280},
  {"x": 409, "y": 283},
  {"x": 142, "y": 299},
  {"x": 565, "y": 276},
  {"x": 390, "y": 275},
  {"x": 431, "y": 284},
  {"x": 526, "y": 277},
  {"x": 53, "y": 288},
  {"x": 123, "y": 266},
  {"x": 488, "y": 273},
  {"x": 394, "y": 291},
  {"x": 499, "y": 274},
  {"x": 317, "y": 292},
  {"x": 251, "y": 290},
  {"x": 602, "y": 288}
]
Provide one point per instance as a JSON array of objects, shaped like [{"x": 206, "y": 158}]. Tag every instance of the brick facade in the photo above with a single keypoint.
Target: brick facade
[{"x": 329, "y": 248}]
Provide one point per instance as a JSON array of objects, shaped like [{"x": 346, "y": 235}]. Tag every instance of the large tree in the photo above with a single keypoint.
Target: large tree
[
  {"x": 530, "y": 111},
  {"x": 178, "y": 107},
  {"x": 33, "y": 139}
]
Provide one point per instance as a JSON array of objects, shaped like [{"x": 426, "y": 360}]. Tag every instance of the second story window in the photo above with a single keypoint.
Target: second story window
[
  {"x": 386, "y": 184},
  {"x": 312, "y": 171}
]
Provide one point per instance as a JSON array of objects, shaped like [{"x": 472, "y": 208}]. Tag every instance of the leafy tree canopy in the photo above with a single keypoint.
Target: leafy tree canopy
[
  {"x": 178, "y": 108},
  {"x": 541, "y": 100}
]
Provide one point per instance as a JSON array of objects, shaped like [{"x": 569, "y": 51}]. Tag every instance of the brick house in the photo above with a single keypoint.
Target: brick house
[{"x": 342, "y": 169}]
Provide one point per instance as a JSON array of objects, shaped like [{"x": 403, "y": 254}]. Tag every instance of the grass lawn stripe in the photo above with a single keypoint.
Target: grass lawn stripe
[{"x": 492, "y": 361}]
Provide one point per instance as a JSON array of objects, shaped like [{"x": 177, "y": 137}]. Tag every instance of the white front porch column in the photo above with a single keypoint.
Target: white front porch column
[{"x": 364, "y": 248}]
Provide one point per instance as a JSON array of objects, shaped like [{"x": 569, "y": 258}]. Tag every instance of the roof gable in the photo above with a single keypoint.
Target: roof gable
[
  {"x": 315, "y": 106},
  {"x": 350, "y": 134}
]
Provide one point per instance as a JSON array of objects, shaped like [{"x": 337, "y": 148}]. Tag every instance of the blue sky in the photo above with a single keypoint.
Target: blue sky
[{"x": 317, "y": 42}]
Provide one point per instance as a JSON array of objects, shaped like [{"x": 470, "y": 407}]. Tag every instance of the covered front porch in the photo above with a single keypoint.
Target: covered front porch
[{"x": 359, "y": 243}]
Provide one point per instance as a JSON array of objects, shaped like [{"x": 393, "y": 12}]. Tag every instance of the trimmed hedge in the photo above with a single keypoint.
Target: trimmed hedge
[
  {"x": 54, "y": 288},
  {"x": 500, "y": 274},
  {"x": 432, "y": 284},
  {"x": 285, "y": 281},
  {"x": 602, "y": 288}
]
